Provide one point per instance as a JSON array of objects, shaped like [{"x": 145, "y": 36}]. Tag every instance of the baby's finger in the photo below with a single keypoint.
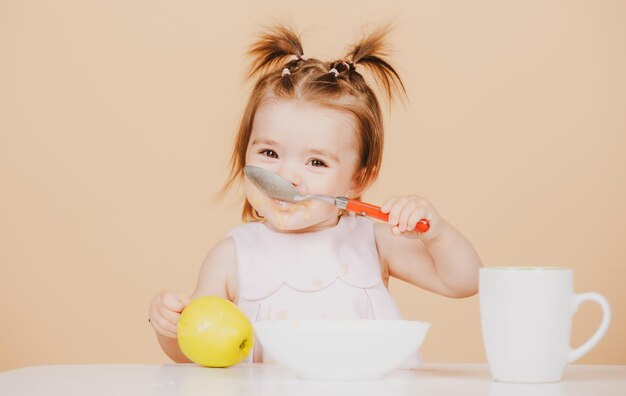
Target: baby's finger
[
  {"x": 168, "y": 320},
  {"x": 415, "y": 217},
  {"x": 173, "y": 302},
  {"x": 163, "y": 328},
  {"x": 184, "y": 300},
  {"x": 170, "y": 317},
  {"x": 387, "y": 205},
  {"x": 396, "y": 209},
  {"x": 395, "y": 230},
  {"x": 406, "y": 212}
]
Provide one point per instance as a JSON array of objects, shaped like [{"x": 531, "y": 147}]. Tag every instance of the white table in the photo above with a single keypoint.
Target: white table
[{"x": 273, "y": 380}]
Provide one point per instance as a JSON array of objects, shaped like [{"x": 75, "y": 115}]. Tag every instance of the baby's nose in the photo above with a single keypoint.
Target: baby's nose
[{"x": 292, "y": 177}]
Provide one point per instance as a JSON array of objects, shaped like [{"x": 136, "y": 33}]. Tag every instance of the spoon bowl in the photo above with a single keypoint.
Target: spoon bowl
[{"x": 278, "y": 187}]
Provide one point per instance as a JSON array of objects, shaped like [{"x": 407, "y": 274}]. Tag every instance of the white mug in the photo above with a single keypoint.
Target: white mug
[{"x": 526, "y": 316}]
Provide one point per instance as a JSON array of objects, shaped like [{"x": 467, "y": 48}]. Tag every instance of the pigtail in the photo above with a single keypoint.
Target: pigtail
[
  {"x": 273, "y": 47},
  {"x": 371, "y": 52}
]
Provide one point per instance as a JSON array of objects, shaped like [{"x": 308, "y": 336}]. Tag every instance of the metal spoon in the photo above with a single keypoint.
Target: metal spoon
[{"x": 280, "y": 188}]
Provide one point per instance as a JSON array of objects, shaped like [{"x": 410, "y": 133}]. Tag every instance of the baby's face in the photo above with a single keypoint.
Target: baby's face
[{"x": 313, "y": 147}]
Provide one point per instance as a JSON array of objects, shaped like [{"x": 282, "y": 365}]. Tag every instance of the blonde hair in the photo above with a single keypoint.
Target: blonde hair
[{"x": 285, "y": 73}]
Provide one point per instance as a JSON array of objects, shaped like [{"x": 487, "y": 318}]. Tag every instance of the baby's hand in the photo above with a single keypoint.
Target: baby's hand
[
  {"x": 165, "y": 310},
  {"x": 406, "y": 211}
]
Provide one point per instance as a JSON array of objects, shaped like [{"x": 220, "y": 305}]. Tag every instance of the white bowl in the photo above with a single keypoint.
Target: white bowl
[{"x": 341, "y": 349}]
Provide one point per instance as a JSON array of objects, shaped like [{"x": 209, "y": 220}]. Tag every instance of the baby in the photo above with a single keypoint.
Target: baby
[{"x": 319, "y": 125}]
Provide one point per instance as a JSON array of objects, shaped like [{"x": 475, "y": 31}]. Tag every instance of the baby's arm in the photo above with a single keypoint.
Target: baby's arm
[
  {"x": 441, "y": 260},
  {"x": 218, "y": 277}
]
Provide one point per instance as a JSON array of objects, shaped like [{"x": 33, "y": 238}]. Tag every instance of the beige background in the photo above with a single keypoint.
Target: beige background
[{"x": 116, "y": 120}]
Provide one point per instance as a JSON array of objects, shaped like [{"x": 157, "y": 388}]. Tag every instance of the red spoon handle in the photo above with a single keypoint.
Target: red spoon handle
[{"x": 366, "y": 209}]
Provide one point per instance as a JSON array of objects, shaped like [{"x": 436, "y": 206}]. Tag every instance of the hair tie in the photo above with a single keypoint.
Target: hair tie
[
  {"x": 285, "y": 72},
  {"x": 296, "y": 57},
  {"x": 334, "y": 71}
]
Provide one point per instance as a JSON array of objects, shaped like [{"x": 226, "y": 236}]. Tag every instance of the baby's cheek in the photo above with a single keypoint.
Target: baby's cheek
[{"x": 254, "y": 196}]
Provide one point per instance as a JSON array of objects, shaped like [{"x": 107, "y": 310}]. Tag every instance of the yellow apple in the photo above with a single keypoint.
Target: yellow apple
[{"x": 213, "y": 332}]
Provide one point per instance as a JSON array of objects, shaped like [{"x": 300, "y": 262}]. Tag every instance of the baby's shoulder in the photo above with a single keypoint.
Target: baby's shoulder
[
  {"x": 224, "y": 246},
  {"x": 222, "y": 256}
]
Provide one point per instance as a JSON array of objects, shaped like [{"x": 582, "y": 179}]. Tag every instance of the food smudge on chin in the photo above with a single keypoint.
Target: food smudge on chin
[
  {"x": 306, "y": 209},
  {"x": 278, "y": 211},
  {"x": 269, "y": 207}
]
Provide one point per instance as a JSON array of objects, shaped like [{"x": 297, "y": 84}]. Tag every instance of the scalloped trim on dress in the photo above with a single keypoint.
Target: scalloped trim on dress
[{"x": 254, "y": 294}]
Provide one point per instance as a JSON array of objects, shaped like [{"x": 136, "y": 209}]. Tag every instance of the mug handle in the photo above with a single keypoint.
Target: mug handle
[{"x": 577, "y": 353}]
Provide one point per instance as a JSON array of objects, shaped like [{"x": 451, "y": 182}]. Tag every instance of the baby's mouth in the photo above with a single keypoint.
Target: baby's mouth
[{"x": 283, "y": 205}]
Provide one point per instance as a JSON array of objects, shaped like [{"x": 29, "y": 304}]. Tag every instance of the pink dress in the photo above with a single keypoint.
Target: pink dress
[{"x": 328, "y": 274}]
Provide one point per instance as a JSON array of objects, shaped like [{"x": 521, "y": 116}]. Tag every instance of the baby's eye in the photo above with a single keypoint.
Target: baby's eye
[
  {"x": 269, "y": 153},
  {"x": 317, "y": 163}
]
